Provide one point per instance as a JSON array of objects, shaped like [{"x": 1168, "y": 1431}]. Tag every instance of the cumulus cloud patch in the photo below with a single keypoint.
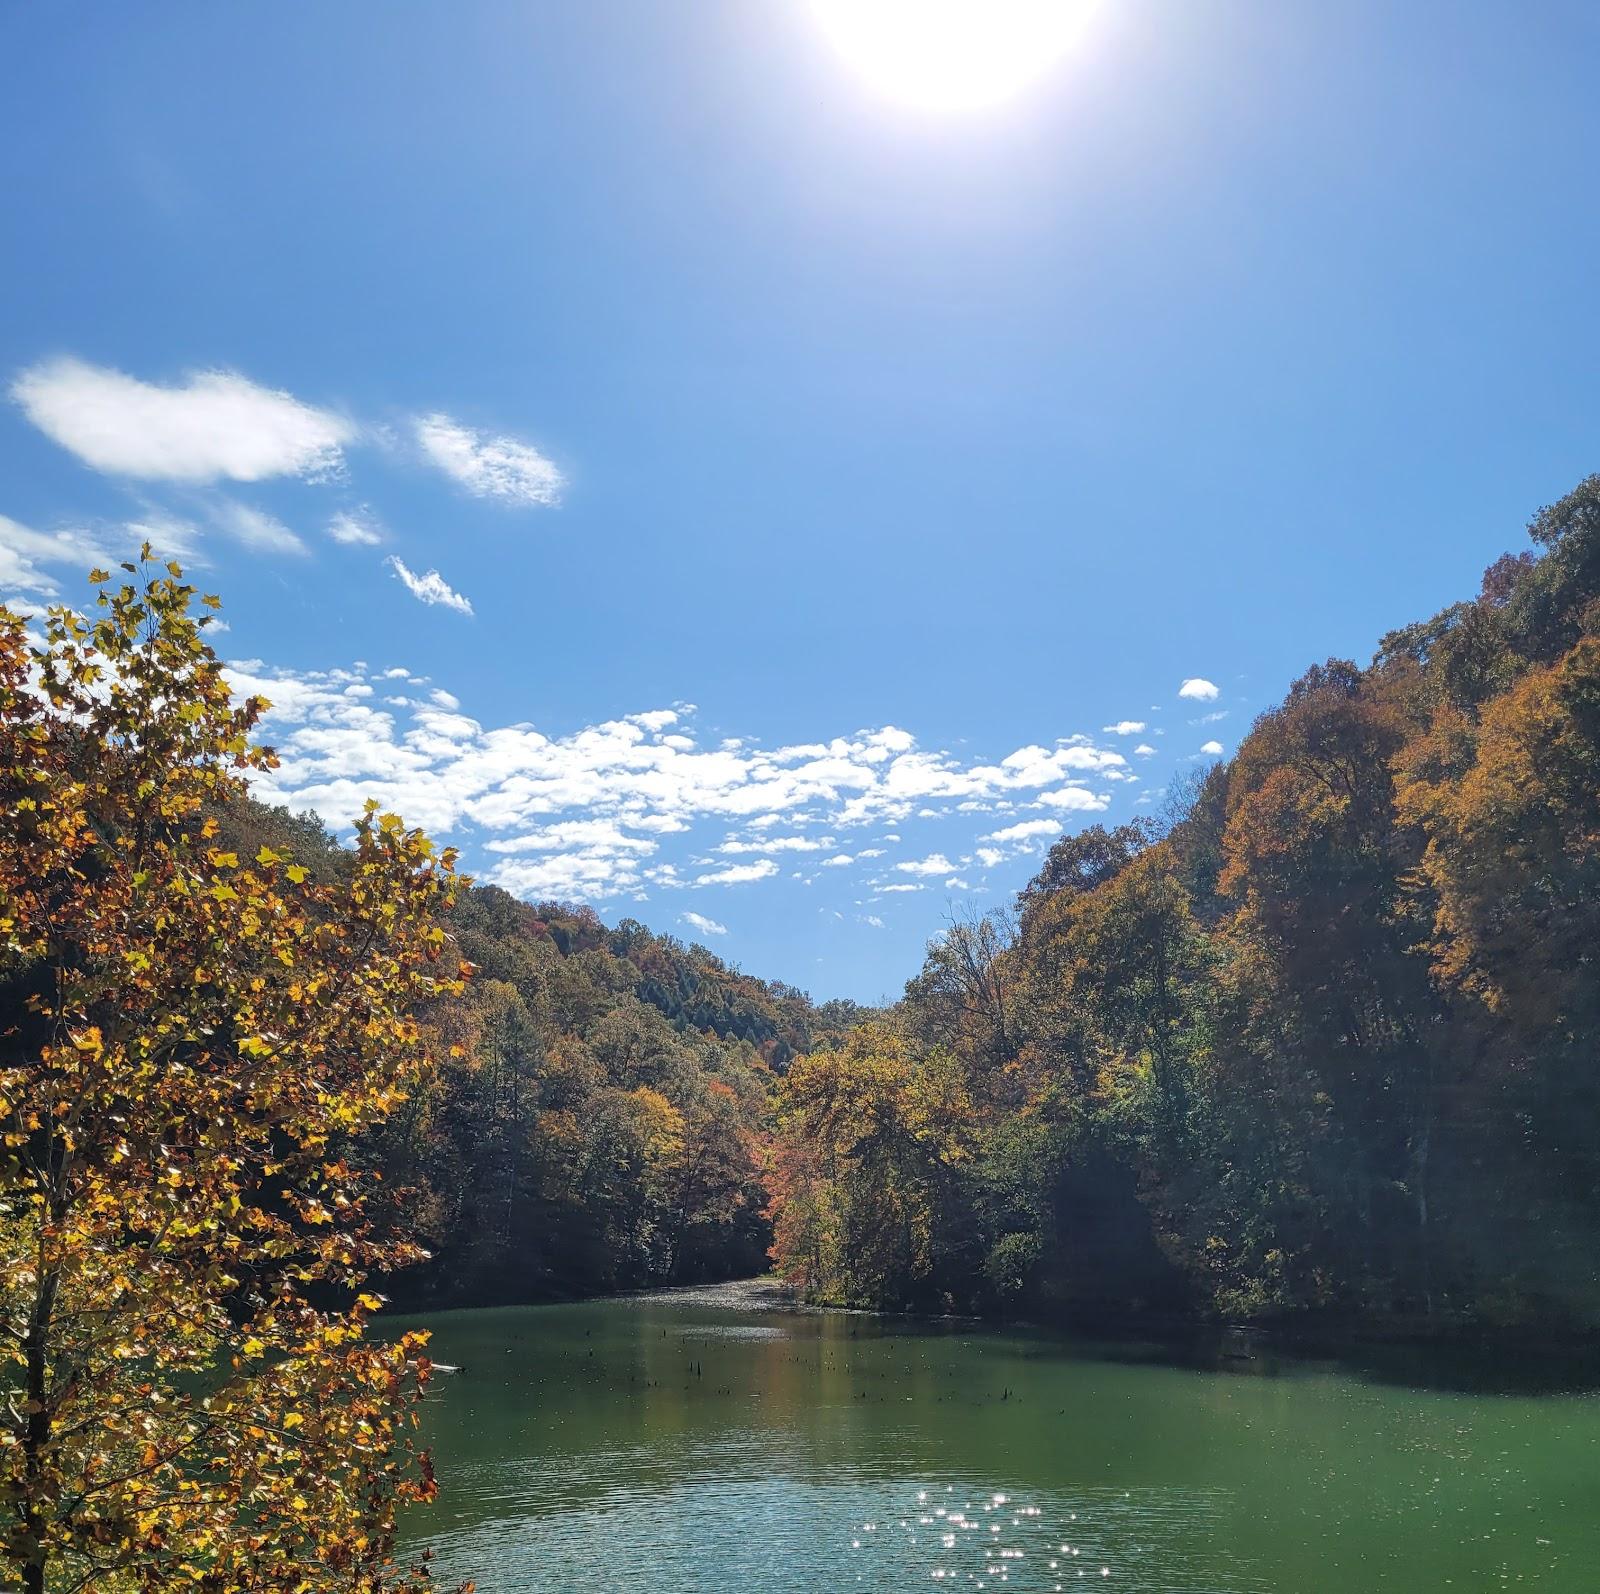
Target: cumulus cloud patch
[
  {"x": 1074, "y": 800},
  {"x": 1199, "y": 688},
  {"x": 934, "y": 863},
  {"x": 212, "y": 426},
  {"x": 589, "y": 815}
]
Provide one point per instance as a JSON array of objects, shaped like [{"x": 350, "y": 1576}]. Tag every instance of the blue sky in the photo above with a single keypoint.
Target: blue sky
[{"x": 897, "y": 454}]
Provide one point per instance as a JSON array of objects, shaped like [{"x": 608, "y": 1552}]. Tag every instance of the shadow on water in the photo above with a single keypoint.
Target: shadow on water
[{"x": 1463, "y": 1363}]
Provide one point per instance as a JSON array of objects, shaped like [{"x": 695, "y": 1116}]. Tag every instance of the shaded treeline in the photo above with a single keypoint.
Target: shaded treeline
[{"x": 1322, "y": 1040}]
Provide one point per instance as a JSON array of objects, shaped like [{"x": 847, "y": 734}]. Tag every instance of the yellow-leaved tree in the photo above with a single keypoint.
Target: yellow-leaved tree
[{"x": 191, "y": 1045}]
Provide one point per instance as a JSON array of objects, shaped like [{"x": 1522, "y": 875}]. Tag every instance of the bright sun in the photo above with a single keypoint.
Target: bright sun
[{"x": 952, "y": 55}]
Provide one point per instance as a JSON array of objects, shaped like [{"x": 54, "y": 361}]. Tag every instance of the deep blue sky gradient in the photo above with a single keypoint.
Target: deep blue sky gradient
[{"x": 1254, "y": 331}]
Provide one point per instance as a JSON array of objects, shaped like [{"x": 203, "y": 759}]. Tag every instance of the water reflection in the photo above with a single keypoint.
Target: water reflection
[{"x": 697, "y": 1443}]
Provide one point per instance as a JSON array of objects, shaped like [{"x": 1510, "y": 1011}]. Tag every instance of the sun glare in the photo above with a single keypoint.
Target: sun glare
[{"x": 952, "y": 55}]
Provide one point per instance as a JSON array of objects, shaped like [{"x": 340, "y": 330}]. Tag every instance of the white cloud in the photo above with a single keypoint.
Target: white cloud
[
  {"x": 1074, "y": 799},
  {"x": 873, "y": 920},
  {"x": 488, "y": 467},
  {"x": 356, "y": 528},
  {"x": 1198, "y": 687},
  {"x": 588, "y": 814},
  {"x": 568, "y": 876},
  {"x": 934, "y": 863},
  {"x": 594, "y": 834},
  {"x": 886, "y": 890},
  {"x": 773, "y": 843},
  {"x": 738, "y": 874},
  {"x": 429, "y": 588},
  {"x": 1124, "y": 728},
  {"x": 698, "y": 921},
  {"x": 215, "y": 425},
  {"x": 1212, "y": 749},
  {"x": 1026, "y": 830},
  {"x": 1144, "y": 750}
]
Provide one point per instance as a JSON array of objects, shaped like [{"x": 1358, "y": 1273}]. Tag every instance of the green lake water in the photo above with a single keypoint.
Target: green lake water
[{"x": 713, "y": 1440}]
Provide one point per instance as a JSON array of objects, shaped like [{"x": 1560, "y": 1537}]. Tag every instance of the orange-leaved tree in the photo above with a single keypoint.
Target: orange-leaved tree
[{"x": 191, "y": 1046}]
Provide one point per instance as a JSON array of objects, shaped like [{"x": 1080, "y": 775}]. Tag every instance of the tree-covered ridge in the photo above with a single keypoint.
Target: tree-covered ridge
[
  {"x": 604, "y": 1125},
  {"x": 601, "y": 1123},
  {"x": 1325, "y": 1040}
]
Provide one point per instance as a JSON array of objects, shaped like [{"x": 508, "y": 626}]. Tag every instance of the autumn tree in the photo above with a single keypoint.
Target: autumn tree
[
  {"x": 194, "y": 1045},
  {"x": 872, "y": 1140}
]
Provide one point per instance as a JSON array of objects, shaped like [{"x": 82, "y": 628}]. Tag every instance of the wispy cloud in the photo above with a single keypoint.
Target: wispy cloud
[
  {"x": 212, "y": 426},
  {"x": 488, "y": 467},
  {"x": 255, "y": 528},
  {"x": 23, "y": 551},
  {"x": 1125, "y": 728},
  {"x": 430, "y": 587},
  {"x": 356, "y": 528}
]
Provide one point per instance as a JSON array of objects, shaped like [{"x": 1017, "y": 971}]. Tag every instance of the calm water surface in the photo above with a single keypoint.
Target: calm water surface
[{"x": 711, "y": 1440}]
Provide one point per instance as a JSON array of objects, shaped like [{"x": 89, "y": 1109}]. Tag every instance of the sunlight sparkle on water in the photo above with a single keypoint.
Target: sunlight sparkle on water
[{"x": 1002, "y": 1556}]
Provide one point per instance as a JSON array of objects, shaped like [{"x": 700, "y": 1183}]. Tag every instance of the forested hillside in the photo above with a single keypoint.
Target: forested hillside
[
  {"x": 1323, "y": 1040},
  {"x": 598, "y": 1120}
]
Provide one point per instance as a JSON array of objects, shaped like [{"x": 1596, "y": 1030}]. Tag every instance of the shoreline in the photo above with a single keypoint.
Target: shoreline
[{"x": 1547, "y": 1359}]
